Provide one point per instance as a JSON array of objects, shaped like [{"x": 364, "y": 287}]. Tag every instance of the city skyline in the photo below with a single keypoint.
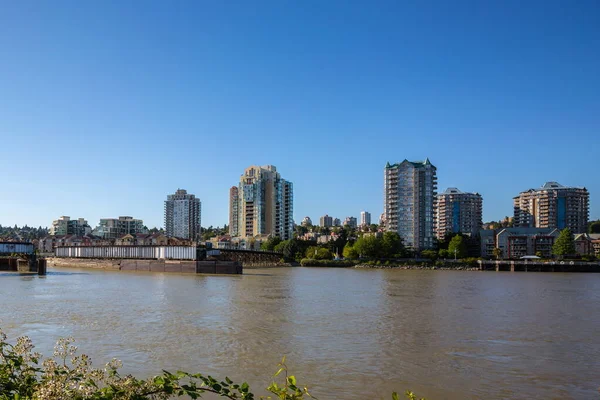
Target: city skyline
[{"x": 103, "y": 113}]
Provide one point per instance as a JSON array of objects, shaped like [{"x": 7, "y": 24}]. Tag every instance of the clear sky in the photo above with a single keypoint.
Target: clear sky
[{"x": 108, "y": 106}]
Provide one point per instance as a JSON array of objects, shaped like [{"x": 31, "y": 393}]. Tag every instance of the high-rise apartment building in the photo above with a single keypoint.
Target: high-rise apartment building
[
  {"x": 458, "y": 211},
  {"x": 183, "y": 214},
  {"x": 234, "y": 203},
  {"x": 326, "y": 221},
  {"x": 553, "y": 206},
  {"x": 265, "y": 204},
  {"x": 114, "y": 228},
  {"x": 66, "y": 226},
  {"x": 409, "y": 205},
  {"x": 365, "y": 218},
  {"x": 351, "y": 222},
  {"x": 337, "y": 222},
  {"x": 306, "y": 221}
]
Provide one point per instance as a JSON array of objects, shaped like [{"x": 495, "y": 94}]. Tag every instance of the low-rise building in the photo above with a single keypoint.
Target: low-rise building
[
  {"x": 114, "y": 228},
  {"x": 66, "y": 226},
  {"x": 515, "y": 243},
  {"x": 587, "y": 244}
]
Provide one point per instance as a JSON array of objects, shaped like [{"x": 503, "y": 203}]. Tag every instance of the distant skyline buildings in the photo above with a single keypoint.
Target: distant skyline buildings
[
  {"x": 326, "y": 221},
  {"x": 365, "y": 218},
  {"x": 183, "y": 215}
]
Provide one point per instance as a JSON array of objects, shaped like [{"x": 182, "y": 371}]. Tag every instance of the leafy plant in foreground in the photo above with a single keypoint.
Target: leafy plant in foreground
[{"x": 66, "y": 376}]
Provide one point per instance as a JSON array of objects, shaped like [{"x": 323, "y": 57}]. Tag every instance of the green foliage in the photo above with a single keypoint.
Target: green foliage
[
  {"x": 318, "y": 253},
  {"x": 311, "y": 262},
  {"x": 289, "y": 248},
  {"x": 497, "y": 252},
  {"x": 457, "y": 247},
  {"x": 368, "y": 246},
  {"x": 392, "y": 245},
  {"x": 443, "y": 253},
  {"x": 270, "y": 243},
  {"x": 67, "y": 375},
  {"x": 564, "y": 245},
  {"x": 431, "y": 254},
  {"x": 349, "y": 252},
  {"x": 594, "y": 227}
]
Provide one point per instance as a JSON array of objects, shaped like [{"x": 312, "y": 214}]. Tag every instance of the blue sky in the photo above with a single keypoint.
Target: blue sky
[{"x": 107, "y": 107}]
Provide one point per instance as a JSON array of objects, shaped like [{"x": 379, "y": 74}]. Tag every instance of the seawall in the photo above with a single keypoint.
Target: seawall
[{"x": 175, "y": 266}]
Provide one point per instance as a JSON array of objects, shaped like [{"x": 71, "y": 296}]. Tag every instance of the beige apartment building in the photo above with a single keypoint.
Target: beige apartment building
[
  {"x": 264, "y": 204},
  {"x": 553, "y": 206},
  {"x": 458, "y": 211}
]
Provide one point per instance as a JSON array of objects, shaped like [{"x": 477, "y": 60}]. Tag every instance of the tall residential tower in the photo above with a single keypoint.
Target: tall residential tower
[
  {"x": 409, "y": 205},
  {"x": 458, "y": 212},
  {"x": 553, "y": 206},
  {"x": 182, "y": 215},
  {"x": 265, "y": 204}
]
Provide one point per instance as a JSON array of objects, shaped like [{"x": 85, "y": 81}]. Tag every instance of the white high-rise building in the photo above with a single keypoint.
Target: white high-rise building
[
  {"x": 365, "y": 218},
  {"x": 410, "y": 198},
  {"x": 182, "y": 215},
  {"x": 265, "y": 204}
]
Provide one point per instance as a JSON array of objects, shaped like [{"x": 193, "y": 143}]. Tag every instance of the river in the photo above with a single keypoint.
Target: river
[{"x": 347, "y": 334}]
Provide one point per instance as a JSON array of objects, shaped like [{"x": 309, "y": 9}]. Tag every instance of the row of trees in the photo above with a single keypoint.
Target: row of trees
[{"x": 24, "y": 233}]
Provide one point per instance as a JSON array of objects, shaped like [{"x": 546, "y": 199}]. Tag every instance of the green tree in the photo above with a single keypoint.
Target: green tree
[
  {"x": 564, "y": 245},
  {"x": 392, "y": 245},
  {"x": 368, "y": 246},
  {"x": 431, "y": 254},
  {"x": 594, "y": 227},
  {"x": 288, "y": 248},
  {"x": 324, "y": 254},
  {"x": 270, "y": 244},
  {"x": 457, "y": 247},
  {"x": 497, "y": 252},
  {"x": 349, "y": 251},
  {"x": 443, "y": 253}
]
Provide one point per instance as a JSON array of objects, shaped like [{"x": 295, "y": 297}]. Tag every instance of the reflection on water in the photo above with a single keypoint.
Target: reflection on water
[{"x": 444, "y": 334}]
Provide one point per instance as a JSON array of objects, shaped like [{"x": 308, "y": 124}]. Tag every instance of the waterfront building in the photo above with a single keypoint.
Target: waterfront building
[
  {"x": 66, "y": 226},
  {"x": 234, "y": 203},
  {"x": 458, "y": 212},
  {"x": 515, "y": 243},
  {"x": 409, "y": 204},
  {"x": 351, "y": 222},
  {"x": 326, "y": 221},
  {"x": 306, "y": 221},
  {"x": 114, "y": 228},
  {"x": 183, "y": 215},
  {"x": 553, "y": 206},
  {"x": 365, "y": 218},
  {"x": 265, "y": 204}
]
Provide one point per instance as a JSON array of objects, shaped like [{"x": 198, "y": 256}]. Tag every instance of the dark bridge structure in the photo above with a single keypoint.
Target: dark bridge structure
[
  {"x": 248, "y": 256},
  {"x": 21, "y": 257}
]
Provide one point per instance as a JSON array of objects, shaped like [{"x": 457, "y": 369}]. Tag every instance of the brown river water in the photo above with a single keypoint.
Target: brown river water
[{"x": 347, "y": 334}]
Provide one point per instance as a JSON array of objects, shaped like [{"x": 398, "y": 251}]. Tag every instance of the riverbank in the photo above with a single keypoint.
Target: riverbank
[{"x": 419, "y": 267}]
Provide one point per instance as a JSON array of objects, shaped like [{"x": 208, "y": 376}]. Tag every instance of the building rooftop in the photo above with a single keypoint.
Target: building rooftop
[{"x": 414, "y": 163}]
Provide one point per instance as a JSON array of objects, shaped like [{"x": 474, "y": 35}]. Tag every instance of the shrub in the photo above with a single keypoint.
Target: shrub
[
  {"x": 311, "y": 262},
  {"x": 70, "y": 376}
]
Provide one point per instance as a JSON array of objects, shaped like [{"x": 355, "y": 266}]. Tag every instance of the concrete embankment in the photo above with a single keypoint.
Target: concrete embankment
[{"x": 177, "y": 266}]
